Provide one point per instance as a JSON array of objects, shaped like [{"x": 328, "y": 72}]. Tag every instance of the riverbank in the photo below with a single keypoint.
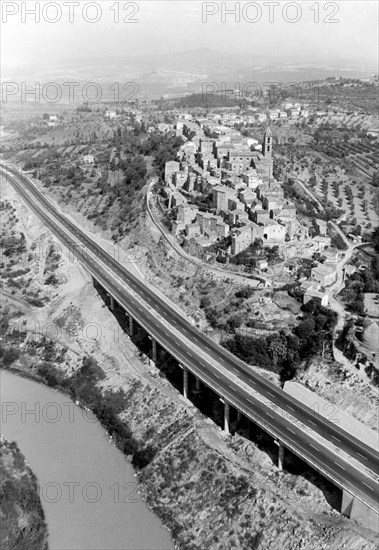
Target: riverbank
[
  {"x": 212, "y": 491},
  {"x": 22, "y": 517},
  {"x": 89, "y": 492}
]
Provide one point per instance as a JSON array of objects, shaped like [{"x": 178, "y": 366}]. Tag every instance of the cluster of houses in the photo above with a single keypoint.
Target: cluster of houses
[
  {"x": 254, "y": 116},
  {"x": 222, "y": 185},
  {"x": 289, "y": 110},
  {"x": 50, "y": 119},
  {"x": 323, "y": 276}
]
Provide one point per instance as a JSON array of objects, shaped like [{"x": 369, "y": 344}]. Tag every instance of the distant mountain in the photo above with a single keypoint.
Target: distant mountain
[
  {"x": 186, "y": 71},
  {"x": 200, "y": 60},
  {"x": 297, "y": 73}
]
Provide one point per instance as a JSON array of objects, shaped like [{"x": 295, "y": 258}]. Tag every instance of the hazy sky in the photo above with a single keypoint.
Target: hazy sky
[{"x": 166, "y": 26}]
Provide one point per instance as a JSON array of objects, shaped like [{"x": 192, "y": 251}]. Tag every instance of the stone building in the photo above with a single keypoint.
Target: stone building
[
  {"x": 186, "y": 213},
  {"x": 325, "y": 275},
  {"x": 170, "y": 167},
  {"x": 269, "y": 231},
  {"x": 241, "y": 239}
]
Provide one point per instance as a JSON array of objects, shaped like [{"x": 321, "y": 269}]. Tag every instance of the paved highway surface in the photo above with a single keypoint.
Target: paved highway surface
[{"x": 316, "y": 439}]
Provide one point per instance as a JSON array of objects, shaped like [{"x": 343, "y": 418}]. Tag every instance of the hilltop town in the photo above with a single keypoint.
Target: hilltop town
[
  {"x": 235, "y": 190},
  {"x": 246, "y": 202},
  {"x": 189, "y": 275},
  {"x": 223, "y": 193},
  {"x": 231, "y": 213}
]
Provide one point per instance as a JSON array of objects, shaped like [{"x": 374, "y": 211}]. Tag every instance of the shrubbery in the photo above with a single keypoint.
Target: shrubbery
[
  {"x": 282, "y": 352},
  {"x": 338, "y": 242},
  {"x": 8, "y": 355},
  {"x": 143, "y": 457},
  {"x": 82, "y": 387},
  {"x": 22, "y": 517}
]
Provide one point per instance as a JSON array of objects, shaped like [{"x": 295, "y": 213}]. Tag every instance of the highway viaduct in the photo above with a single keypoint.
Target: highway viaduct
[
  {"x": 267, "y": 406},
  {"x": 350, "y": 506}
]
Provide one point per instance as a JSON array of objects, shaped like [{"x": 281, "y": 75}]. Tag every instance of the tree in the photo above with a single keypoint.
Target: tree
[
  {"x": 375, "y": 239},
  {"x": 338, "y": 242},
  {"x": 9, "y": 356},
  {"x": 277, "y": 347},
  {"x": 306, "y": 328},
  {"x": 234, "y": 321},
  {"x": 312, "y": 180}
]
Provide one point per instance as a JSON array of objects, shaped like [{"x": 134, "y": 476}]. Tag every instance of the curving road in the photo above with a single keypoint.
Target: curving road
[{"x": 348, "y": 462}]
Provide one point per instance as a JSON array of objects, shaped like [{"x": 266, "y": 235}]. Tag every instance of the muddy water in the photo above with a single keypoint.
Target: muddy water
[{"x": 88, "y": 489}]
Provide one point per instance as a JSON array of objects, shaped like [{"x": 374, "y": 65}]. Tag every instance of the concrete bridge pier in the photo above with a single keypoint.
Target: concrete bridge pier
[
  {"x": 280, "y": 455},
  {"x": 198, "y": 384},
  {"x": 356, "y": 510},
  {"x": 112, "y": 303},
  {"x": 185, "y": 382},
  {"x": 226, "y": 417},
  {"x": 347, "y": 503},
  {"x": 239, "y": 415},
  {"x": 154, "y": 350},
  {"x": 131, "y": 326}
]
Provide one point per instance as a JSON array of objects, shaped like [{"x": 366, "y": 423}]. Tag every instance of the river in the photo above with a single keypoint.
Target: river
[{"x": 88, "y": 489}]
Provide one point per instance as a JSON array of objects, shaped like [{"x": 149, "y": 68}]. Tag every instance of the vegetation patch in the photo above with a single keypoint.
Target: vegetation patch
[
  {"x": 22, "y": 517},
  {"x": 283, "y": 352}
]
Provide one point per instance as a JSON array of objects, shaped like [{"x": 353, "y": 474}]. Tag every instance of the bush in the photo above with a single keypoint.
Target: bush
[
  {"x": 306, "y": 328},
  {"x": 338, "y": 242},
  {"x": 281, "y": 352},
  {"x": 205, "y": 302},
  {"x": 35, "y": 301},
  {"x": 143, "y": 457},
  {"x": 234, "y": 321},
  {"x": 51, "y": 280},
  {"x": 49, "y": 373},
  {"x": 9, "y": 356},
  {"x": 91, "y": 369},
  {"x": 245, "y": 292}
]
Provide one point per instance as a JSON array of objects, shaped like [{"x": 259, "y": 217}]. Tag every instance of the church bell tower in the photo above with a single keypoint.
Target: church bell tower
[{"x": 267, "y": 143}]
